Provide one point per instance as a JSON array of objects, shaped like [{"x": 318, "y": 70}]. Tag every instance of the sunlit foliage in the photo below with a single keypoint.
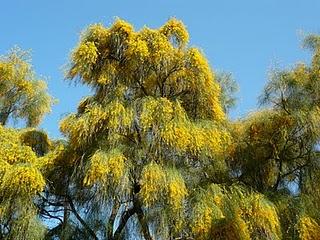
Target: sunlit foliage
[
  {"x": 22, "y": 94},
  {"x": 21, "y": 180}
]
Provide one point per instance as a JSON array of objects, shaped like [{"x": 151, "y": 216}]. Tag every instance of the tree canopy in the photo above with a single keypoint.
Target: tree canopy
[
  {"x": 22, "y": 94},
  {"x": 152, "y": 153}
]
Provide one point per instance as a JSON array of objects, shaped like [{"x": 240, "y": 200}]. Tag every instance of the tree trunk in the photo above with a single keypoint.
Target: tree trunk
[
  {"x": 126, "y": 215},
  {"x": 112, "y": 218}
]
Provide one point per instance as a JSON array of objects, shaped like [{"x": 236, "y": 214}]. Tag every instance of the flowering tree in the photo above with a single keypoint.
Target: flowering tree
[
  {"x": 148, "y": 149},
  {"x": 22, "y": 94},
  {"x": 155, "y": 116},
  {"x": 22, "y": 165}
]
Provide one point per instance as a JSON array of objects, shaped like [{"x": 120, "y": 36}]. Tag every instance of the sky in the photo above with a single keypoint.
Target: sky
[{"x": 246, "y": 38}]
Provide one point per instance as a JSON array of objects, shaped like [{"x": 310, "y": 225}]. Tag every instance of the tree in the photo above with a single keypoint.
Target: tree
[
  {"x": 22, "y": 168},
  {"x": 278, "y": 153},
  {"x": 22, "y": 94},
  {"x": 154, "y": 117},
  {"x": 229, "y": 88},
  {"x": 148, "y": 149},
  {"x": 22, "y": 161}
]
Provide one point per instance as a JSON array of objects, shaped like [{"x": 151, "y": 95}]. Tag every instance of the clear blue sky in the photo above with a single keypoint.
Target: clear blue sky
[{"x": 243, "y": 37}]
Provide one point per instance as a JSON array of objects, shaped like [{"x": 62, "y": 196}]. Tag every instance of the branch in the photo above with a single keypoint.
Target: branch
[
  {"x": 112, "y": 219},
  {"x": 54, "y": 231},
  {"x": 142, "y": 220},
  {"x": 123, "y": 221},
  {"x": 55, "y": 204},
  {"x": 183, "y": 92},
  {"x": 142, "y": 87},
  {"x": 46, "y": 214},
  {"x": 138, "y": 131},
  {"x": 73, "y": 209},
  {"x": 295, "y": 169}
]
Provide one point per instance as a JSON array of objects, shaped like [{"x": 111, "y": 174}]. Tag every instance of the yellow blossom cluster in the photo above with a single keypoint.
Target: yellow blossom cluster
[
  {"x": 175, "y": 28},
  {"x": 8, "y": 135},
  {"x": 195, "y": 138},
  {"x": 85, "y": 57},
  {"x": 169, "y": 120},
  {"x": 207, "y": 212},
  {"x": 198, "y": 62},
  {"x": 97, "y": 34},
  {"x": 12, "y": 151},
  {"x": 259, "y": 213},
  {"x": 177, "y": 190},
  {"x": 157, "y": 112},
  {"x": 201, "y": 79},
  {"x": 121, "y": 27},
  {"x": 211, "y": 226},
  {"x": 5, "y": 70},
  {"x": 20, "y": 90},
  {"x": 118, "y": 115},
  {"x": 164, "y": 186},
  {"x": 234, "y": 214},
  {"x": 104, "y": 165},
  {"x": 300, "y": 74},
  {"x": 66, "y": 125},
  {"x": 160, "y": 49},
  {"x": 153, "y": 183},
  {"x": 22, "y": 180},
  {"x": 202, "y": 225},
  {"x": 148, "y": 60},
  {"x": 4, "y": 166},
  {"x": 81, "y": 130},
  {"x": 107, "y": 74},
  {"x": 138, "y": 49},
  {"x": 18, "y": 164},
  {"x": 54, "y": 158},
  {"x": 308, "y": 228}
]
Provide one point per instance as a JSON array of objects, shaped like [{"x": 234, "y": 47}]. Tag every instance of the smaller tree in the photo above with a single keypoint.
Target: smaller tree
[
  {"x": 21, "y": 181},
  {"x": 22, "y": 160},
  {"x": 22, "y": 94},
  {"x": 277, "y": 149},
  {"x": 229, "y": 88}
]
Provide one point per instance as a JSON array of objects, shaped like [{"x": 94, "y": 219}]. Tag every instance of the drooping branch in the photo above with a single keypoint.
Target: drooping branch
[{"x": 50, "y": 203}]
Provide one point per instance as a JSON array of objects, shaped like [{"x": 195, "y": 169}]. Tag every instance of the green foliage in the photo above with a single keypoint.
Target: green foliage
[{"x": 229, "y": 88}]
